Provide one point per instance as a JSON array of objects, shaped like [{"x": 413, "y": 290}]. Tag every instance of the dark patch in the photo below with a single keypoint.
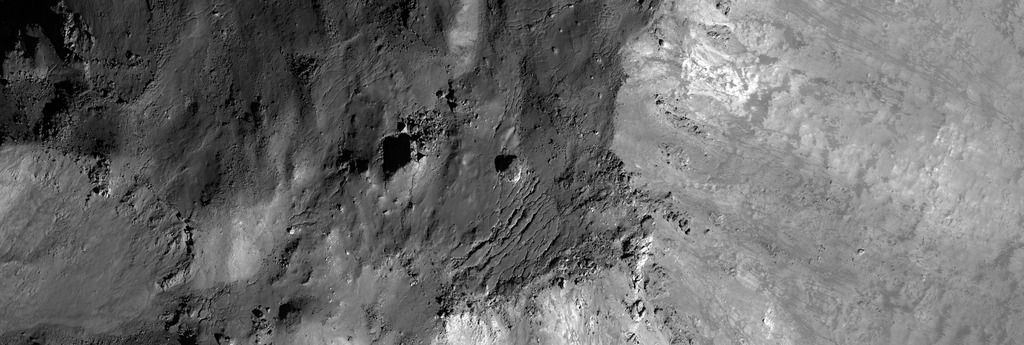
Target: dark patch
[
  {"x": 503, "y": 162},
  {"x": 397, "y": 152},
  {"x": 289, "y": 314}
]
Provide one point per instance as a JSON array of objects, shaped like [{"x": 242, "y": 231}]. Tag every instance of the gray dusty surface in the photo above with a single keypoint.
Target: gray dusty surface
[
  {"x": 840, "y": 172},
  {"x": 511, "y": 172}
]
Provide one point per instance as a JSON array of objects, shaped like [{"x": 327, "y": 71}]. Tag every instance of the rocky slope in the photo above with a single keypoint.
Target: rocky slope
[{"x": 302, "y": 171}]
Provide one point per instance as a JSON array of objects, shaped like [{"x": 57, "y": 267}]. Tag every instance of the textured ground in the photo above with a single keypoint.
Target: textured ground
[
  {"x": 302, "y": 172},
  {"x": 511, "y": 172},
  {"x": 840, "y": 172}
]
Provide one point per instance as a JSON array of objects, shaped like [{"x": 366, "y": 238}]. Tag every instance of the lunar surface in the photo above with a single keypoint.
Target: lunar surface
[{"x": 447, "y": 172}]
